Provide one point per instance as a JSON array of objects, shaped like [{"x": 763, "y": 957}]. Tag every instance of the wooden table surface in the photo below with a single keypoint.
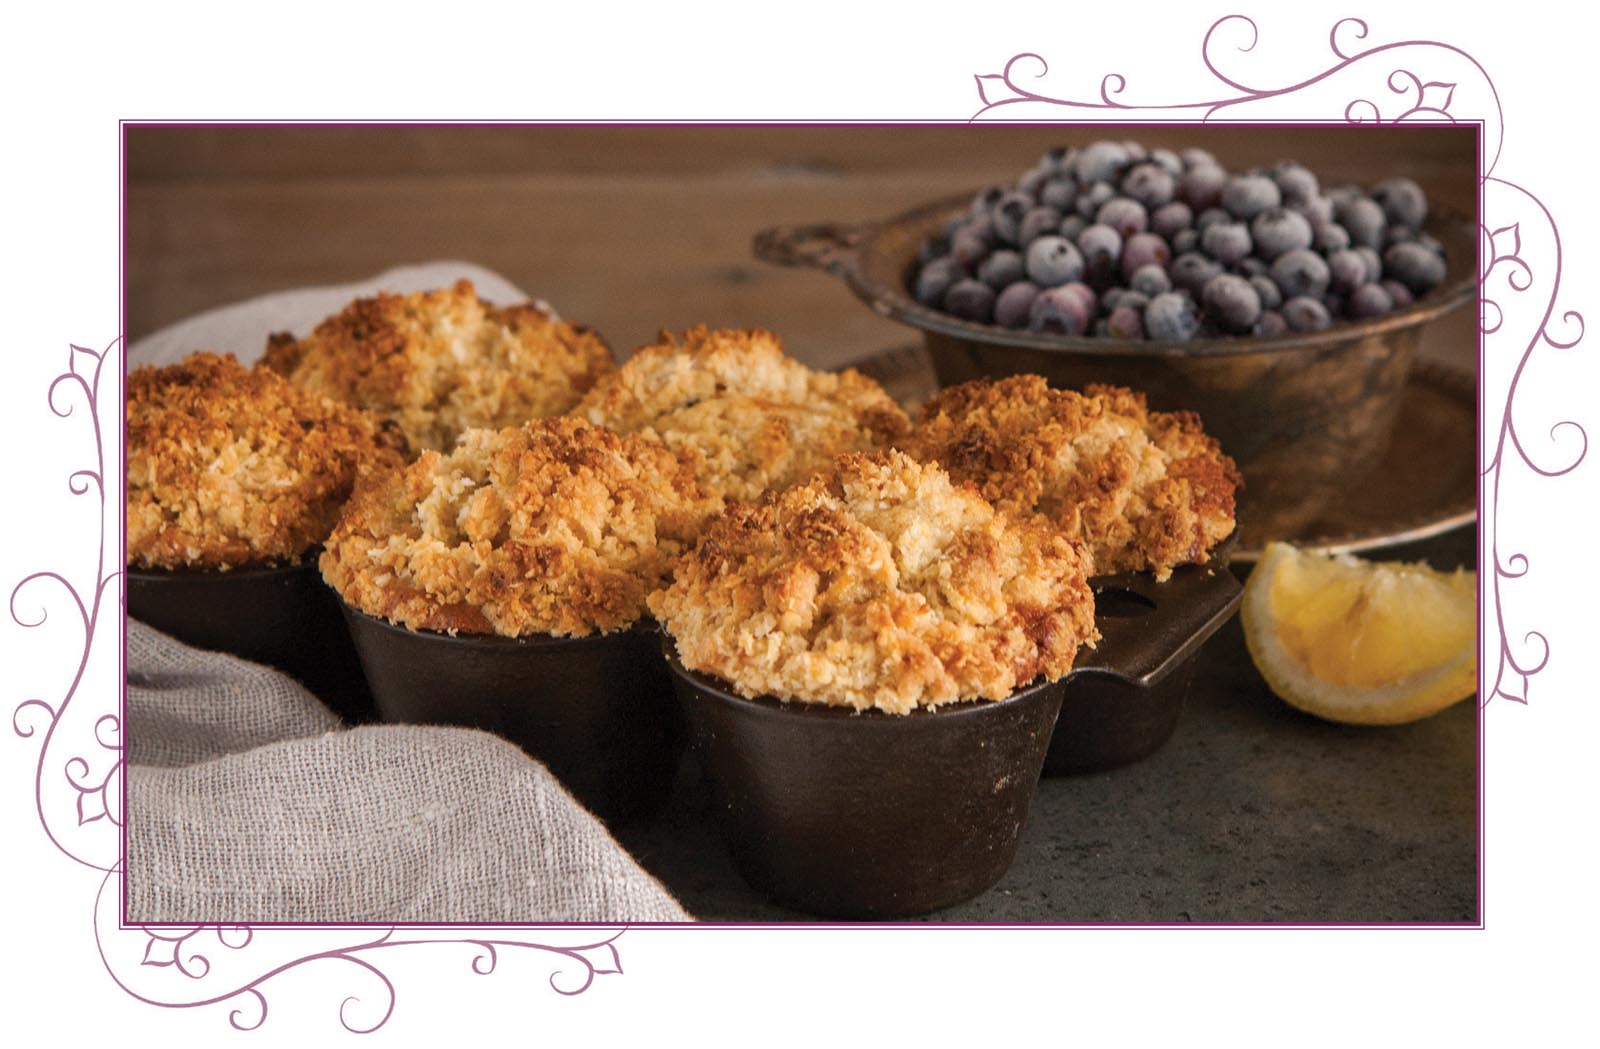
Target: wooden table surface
[{"x": 630, "y": 229}]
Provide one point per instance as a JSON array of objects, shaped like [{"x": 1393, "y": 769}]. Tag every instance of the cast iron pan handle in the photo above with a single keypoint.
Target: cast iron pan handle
[
  {"x": 822, "y": 245},
  {"x": 1148, "y": 629}
]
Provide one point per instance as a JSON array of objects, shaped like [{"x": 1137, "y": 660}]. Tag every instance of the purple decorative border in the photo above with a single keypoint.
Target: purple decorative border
[{"x": 171, "y": 966}]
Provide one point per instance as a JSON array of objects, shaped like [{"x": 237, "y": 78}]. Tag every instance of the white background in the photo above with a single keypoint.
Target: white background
[{"x": 70, "y": 72}]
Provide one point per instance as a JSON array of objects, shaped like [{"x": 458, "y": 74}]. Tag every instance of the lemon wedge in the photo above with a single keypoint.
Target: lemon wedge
[{"x": 1361, "y": 642}]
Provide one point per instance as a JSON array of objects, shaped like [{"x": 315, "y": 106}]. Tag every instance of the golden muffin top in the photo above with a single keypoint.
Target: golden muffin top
[
  {"x": 879, "y": 585},
  {"x": 231, "y": 467},
  {"x": 442, "y": 362}
]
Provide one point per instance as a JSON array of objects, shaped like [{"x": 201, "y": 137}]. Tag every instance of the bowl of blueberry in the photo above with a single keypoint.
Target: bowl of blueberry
[{"x": 1285, "y": 313}]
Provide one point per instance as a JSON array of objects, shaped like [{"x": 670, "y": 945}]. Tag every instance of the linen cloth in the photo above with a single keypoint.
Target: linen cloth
[{"x": 249, "y": 801}]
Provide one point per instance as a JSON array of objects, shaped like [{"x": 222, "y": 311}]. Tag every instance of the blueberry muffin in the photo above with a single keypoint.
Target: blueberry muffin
[
  {"x": 879, "y": 585},
  {"x": 232, "y": 467},
  {"x": 1143, "y": 490},
  {"x": 440, "y": 362},
  {"x": 554, "y": 527},
  {"x": 757, "y": 418}
]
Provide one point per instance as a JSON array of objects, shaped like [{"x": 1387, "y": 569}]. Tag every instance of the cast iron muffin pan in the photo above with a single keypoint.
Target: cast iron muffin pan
[
  {"x": 597, "y": 710},
  {"x": 868, "y": 815},
  {"x": 283, "y": 616}
]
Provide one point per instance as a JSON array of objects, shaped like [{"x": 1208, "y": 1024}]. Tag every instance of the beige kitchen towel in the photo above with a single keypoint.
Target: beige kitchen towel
[{"x": 248, "y": 801}]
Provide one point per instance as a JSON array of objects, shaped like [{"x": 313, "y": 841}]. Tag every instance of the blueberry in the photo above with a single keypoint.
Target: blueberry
[
  {"x": 1399, "y": 293},
  {"x": 1278, "y": 230},
  {"x": 1052, "y": 261},
  {"x": 1090, "y": 199},
  {"x": 1295, "y": 183},
  {"x": 1343, "y": 194},
  {"x": 1370, "y": 300},
  {"x": 1171, "y": 317},
  {"x": 1012, "y": 305},
  {"x": 1185, "y": 241},
  {"x": 1071, "y": 226},
  {"x": 1398, "y": 235},
  {"x": 968, "y": 248},
  {"x": 1413, "y": 265},
  {"x": 1347, "y": 271},
  {"x": 1374, "y": 263},
  {"x": 1136, "y": 150},
  {"x": 1363, "y": 219},
  {"x": 1267, "y": 291},
  {"x": 1125, "y": 322},
  {"x": 1246, "y": 196},
  {"x": 1101, "y": 247},
  {"x": 1138, "y": 300},
  {"x": 1403, "y": 201},
  {"x": 1144, "y": 249},
  {"x": 1168, "y": 161},
  {"x": 1058, "y": 310},
  {"x": 1058, "y": 159},
  {"x": 1036, "y": 223},
  {"x": 1231, "y": 303},
  {"x": 1318, "y": 210},
  {"x": 1168, "y": 219},
  {"x": 1270, "y": 323},
  {"x": 986, "y": 199},
  {"x": 1330, "y": 237},
  {"x": 970, "y": 300},
  {"x": 1304, "y": 313},
  {"x": 935, "y": 279},
  {"x": 1001, "y": 268},
  {"x": 1149, "y": 184},
  {"x": 1210, "y": 217},
  {"x": 1033, "y": 181},
  {"x": 1192, "y": 272},
  {"x": 1101, "y": 162},
  {"x": 1195, "y": 157},
  {"x": 1150, "y": 280},
  {"x": 1333, "y": 302},
  {"x": 1300, "y": 273},
  {"x": 1110, "y": 297},
  {"x": 1008, "y": 215},
  {"x": 1125, "y": 216},
  {"x": 1227, "y": 242},
  {"x": 1429, "y": 241},
  {"x": 1251, "y": 267},
  {"x": 1201, "y": 187},
  {"x": 1084, "y": 294},
  {"x": 1058, "y": 193}
]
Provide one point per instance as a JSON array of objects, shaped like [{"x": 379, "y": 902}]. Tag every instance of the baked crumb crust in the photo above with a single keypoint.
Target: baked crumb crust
[
  {"x": 759, "y": 419},
  {"x": 554, "y": 527},
  {"x": 441, "y": 362},
  {"x": 1146, "y": 491},
  {"x": 880, "y": 585},
  {"x": 230, "y": 467}
]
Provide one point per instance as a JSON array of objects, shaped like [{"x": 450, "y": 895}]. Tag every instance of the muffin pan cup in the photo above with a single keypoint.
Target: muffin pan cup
[
  {"x": 597, "y": 710},
  {"x": 1124, "y": 697},
  {"x": 868, "y": 815},
  {"x": 284, "y": 616}
]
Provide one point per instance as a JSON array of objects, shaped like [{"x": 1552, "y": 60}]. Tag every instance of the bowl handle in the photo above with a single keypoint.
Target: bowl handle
[
  {"x": 823, "y": 245},
  {"x": 1171, "y": 621}
]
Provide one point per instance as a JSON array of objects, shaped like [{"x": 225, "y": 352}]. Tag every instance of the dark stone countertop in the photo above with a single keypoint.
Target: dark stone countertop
[{"x": 1253, "y": 812}]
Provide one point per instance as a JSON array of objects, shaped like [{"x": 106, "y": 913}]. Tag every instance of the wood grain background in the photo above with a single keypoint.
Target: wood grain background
[{"x": 631, "y": 229}]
